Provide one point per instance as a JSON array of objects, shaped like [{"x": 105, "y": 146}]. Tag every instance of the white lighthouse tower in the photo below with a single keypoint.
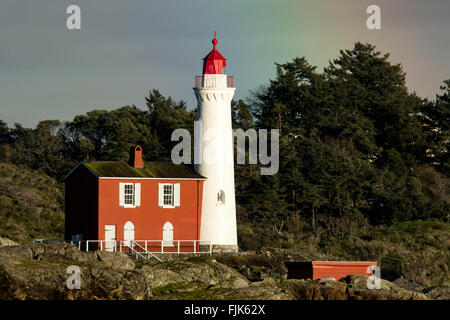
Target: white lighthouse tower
[{"x": 214, "y": 153}]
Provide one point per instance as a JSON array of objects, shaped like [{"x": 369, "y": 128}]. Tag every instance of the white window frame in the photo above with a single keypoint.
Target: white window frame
[
  {"x": 125, "y": 194},
  {"x": 175, "y": 187},
  {"x": 220, "y": 198},
  {"x": 135, "y": 195},
  {"x": 171, "y": 195}
]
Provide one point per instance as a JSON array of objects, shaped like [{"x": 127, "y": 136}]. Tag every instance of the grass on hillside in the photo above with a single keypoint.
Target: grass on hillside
[{"x": 31, "y": 204}]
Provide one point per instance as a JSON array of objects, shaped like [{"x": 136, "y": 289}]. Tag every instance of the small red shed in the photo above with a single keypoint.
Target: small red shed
[
  {"x": 116, "y": 200},
  {"x": 320, "y": 269}
]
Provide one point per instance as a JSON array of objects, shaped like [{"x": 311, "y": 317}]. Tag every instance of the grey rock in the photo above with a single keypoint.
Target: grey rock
[
  {"x": 326, "y": 280},
  {"x": 7, "y": 242},
  {"x": 115, "y": 260}
]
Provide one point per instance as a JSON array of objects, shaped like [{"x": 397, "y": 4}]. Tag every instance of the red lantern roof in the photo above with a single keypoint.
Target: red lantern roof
[{"x": 214, "y": 62}]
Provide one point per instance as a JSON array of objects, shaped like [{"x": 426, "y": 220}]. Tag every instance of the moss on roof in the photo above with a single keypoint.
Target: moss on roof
[{"x": 150, "y": 170}]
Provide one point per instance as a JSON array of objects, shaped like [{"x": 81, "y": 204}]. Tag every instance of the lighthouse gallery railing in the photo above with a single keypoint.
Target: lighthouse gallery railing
[{"x": 214, "y": 81}]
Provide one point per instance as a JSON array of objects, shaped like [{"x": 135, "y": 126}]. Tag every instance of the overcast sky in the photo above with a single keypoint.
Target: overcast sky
[{"x": 126, "y": 48}]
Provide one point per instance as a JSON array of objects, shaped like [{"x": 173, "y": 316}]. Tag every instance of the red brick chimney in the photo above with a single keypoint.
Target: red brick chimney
[{"x": 136, "y": 157}]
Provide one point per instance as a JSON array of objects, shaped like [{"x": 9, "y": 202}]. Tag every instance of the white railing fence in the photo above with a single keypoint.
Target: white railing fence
[{"x": 142, "y": 247}]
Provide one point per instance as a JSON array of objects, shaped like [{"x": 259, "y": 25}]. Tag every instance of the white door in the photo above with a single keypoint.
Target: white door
[
  {"x": 110, "y": 238},
  {"x": 128, "y": 234},
  {"x": 168, "y": 234}
]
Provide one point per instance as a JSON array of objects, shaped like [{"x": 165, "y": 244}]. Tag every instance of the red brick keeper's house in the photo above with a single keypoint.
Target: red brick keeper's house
[{"x": 116, "y": 200}]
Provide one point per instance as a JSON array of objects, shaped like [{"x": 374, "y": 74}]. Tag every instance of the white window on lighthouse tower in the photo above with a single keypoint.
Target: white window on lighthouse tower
[
  {"x": 168, "y": 234},
  {"x": 221, "y": 197}
]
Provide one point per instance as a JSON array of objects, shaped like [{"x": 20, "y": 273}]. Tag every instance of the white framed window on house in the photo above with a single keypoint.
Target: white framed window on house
[
  {"x": 129, "y": 195},
  {"x": 169, "y": 195}
]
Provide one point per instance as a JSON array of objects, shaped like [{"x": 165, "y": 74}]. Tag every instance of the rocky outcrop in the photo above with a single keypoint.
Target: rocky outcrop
[
  {"x": 441, "y": 292},
  {"x": 256, "y": 266},
  {"x": 357, "y": 287},
  {"x": 39, "y": 271},
  {"x": 353, "y": 287},
  {"x": 178, "y": 272},
  {"x": 6, "y": 242}
]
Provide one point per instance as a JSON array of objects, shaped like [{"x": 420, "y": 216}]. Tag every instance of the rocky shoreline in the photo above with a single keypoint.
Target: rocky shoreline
[{"x": 39, "y": 271}]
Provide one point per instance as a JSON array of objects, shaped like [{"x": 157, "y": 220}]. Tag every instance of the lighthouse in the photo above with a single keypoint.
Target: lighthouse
[{"x": 213, "y": 151}]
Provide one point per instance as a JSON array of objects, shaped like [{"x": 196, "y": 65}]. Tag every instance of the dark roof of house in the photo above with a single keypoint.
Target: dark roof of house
[{"x": 122, "y": 169}]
